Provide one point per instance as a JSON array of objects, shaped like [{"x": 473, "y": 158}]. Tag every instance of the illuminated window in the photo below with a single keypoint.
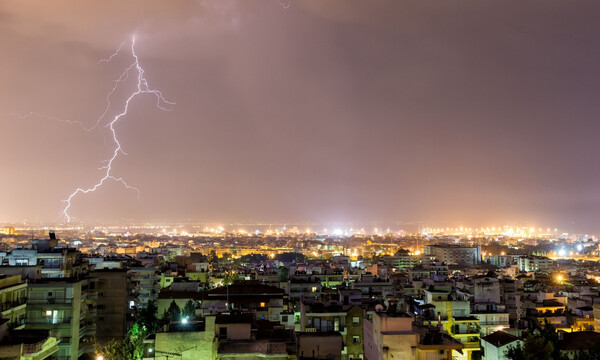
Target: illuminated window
[
  {"x": 314, "y": 289},
  {"x": 355, "y": 320},
  {"x": 262, "y": 304},
  {"x": 48, "y": 312}
]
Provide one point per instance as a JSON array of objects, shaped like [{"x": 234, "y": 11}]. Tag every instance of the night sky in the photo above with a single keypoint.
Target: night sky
[{"x": 474, "y": 113}]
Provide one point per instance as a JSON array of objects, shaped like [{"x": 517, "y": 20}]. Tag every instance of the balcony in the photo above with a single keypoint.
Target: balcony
[
  {"x": 50, "y": 301},
  {"x": 87, "y": 330},
  {"x": 494, "y": 323},
  {"x": 472, "y": 332},
  {"x": 147, "y": 287},
  {"x": 48, "y": 323},
  {"x": 12, "y": 304},
  {"x": 38, "y": 351},
  {"x": 472, "y": 345},
  {"x": 85, "y": 347}
]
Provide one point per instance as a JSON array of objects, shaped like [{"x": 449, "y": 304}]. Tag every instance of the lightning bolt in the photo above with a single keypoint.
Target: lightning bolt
[
  {"x": 142, "y": 88},
  {"x": 47, "y": 117}
]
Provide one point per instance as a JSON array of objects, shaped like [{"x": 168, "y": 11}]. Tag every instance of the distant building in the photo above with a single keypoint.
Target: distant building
[
  {"x": 319, "y": 317},
  {"x": 113, "y": 304},
  {"x": 55, "y": 262},
  {"x": 389, "y": 336},
  {"x": 313, "y": 345},
  {"x": 265, "y": 301},
  {"x": 240, "y": 336},
  {"x": 403, "y": 260},
  {"x": 192, "y": 340},
  {"x": 145, "y": 285},
  {"x": 496, "y": 344},
  {"x": 454, "y": 254},
  {"x": 534, "y": 263},
  {"x": 7, "y": 230}
]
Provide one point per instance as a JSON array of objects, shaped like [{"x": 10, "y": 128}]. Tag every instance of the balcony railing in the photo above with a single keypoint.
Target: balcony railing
[
  {"x": 49, "y": 301},
  {"x": 491, "y": 323},
  {"x": 49, "y": 320},
  {"x": 12, "y": 304}
]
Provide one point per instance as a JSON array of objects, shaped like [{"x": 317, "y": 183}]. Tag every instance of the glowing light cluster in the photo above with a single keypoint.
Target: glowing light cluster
[
  {"x": 507, "y": 231},
  {"x": 142, "y": 88}
]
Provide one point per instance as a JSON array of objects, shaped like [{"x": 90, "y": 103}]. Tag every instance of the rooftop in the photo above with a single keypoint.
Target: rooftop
[{"x": 500, "y": 338}]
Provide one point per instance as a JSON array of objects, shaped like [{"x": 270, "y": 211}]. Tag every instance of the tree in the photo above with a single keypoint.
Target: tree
[
  {"x": 535, "y": 347},
  {"x": 283, "y": 273},
  {"x": 174, "y": 311},
  {"x": 228, "y": 279},
  {"x": 189, "y": 310},
  {"x": 588, "y": 354},
  {"x": 165, "y": 318},
  {"x": 129, "y": 348},
  {"x": 147, "y": 319}
]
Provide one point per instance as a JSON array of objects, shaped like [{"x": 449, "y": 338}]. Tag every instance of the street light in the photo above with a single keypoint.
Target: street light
[{"x": 99, "y": 357}]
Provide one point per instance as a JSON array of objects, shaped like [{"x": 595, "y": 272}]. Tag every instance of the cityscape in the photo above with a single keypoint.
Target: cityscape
[{"x": 299, "y": 180}]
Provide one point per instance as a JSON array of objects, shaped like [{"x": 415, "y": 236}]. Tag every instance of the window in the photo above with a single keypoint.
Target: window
[
  {"x": 355, "y": 320},
  {"x": 53, "y": 316},
  {"x": 314, "y": 289},
  {"x": 284, "y": 318},
  {"x": 263, "y": 304},
  {"x": 222, "y": 333},
  {"x": 356, "y": 339}
]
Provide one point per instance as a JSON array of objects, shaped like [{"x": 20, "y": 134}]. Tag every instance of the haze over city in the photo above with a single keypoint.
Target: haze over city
[
  {"x": 299, "y": 180},
  {"x": 462, "y": 113}
]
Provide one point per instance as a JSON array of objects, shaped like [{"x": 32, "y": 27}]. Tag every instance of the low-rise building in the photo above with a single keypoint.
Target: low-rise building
[{"x": 495, "y": 345}]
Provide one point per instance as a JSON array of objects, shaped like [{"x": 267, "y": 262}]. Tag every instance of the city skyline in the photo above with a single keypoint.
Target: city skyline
[{"x": 454, "y": 114}]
